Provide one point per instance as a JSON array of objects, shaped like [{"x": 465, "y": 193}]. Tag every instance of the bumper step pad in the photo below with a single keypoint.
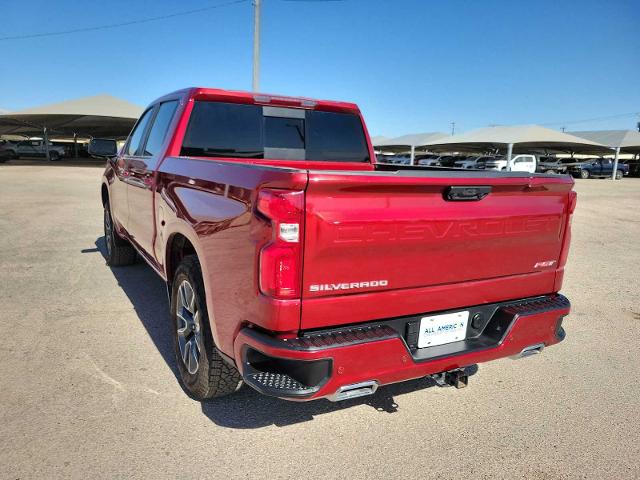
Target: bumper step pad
[{"x": 279, "y": 382}]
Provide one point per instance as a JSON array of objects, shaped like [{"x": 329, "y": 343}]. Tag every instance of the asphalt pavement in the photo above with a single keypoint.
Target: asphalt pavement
[{"x": 89, "y": 388}]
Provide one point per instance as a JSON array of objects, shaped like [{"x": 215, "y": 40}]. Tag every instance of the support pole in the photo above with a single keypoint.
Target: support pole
[
  {"x": 256, "y": 44},
  {"x": 615, "y": 164},
  {"x": 75, "y": 145},
  {"x": 45, "y": 139},
  {"x": 509, "y": 155},
  {"x": 413, "y": 155}
]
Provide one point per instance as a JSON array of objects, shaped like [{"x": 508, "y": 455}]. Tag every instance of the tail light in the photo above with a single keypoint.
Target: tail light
[
  {"x": 573, "y": 200},
  {"x": 281, "y": 258},
  {"x": 571, "y": 207}
]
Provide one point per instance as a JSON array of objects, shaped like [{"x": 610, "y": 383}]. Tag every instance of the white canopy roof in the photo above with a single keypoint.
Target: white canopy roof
[
  {"x": 628, "y": 141},
  {"x": 378, "y": 138},
  {"x": 405, "y": 142},
  {"x": 522, "y": 137},
  {"x": 100, "y": 115}
]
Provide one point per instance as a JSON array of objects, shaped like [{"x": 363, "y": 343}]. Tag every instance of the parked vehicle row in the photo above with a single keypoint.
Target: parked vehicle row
[
  {"x": 522, "y": 162},
  {"x": 11, "y": 150},
  {"x": 519, "y": 163}
]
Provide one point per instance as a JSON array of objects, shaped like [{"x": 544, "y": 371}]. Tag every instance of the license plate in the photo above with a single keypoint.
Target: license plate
[{"x": 441, "y": 329}]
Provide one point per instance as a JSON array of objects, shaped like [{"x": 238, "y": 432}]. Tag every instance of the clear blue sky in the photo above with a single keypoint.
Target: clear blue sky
[{"x": 411, "y": 65}]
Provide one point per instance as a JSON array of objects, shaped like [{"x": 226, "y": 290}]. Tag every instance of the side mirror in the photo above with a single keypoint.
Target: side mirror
[{"x": 103, "y": 147}]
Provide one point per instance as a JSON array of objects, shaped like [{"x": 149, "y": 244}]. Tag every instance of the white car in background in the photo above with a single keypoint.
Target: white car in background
[{"x": 519, "y": 163}]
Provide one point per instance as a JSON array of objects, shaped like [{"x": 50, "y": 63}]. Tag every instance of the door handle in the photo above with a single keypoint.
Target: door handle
[
  {"x": 466, "y": 193},
  {"x": 136, "y": 182},
  {"x": 140, "y": 172}
]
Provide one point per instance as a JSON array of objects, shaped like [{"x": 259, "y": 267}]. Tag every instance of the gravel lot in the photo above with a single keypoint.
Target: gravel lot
[{"x": 89, "y": 385}]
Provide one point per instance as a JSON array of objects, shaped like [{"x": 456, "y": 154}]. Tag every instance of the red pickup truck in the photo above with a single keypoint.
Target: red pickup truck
[{"x": 297, "y": 265}]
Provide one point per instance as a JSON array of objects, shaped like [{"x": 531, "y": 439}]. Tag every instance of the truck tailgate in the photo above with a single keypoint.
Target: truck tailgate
[{"x": 366, "y": 234}]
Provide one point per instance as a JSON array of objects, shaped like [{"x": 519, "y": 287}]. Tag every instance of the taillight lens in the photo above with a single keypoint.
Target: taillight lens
[
  {"x": 571, "y": 207},
  {"x": 281, "y": 258},
  {"x": 573, "y": 200}
]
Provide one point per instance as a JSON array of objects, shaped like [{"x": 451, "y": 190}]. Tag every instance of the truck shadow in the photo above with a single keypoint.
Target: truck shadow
[{"x": 246, "y": 409}]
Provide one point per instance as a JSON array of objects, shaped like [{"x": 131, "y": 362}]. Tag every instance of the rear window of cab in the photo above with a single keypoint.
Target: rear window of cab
[{"x": 218, "y": 129}]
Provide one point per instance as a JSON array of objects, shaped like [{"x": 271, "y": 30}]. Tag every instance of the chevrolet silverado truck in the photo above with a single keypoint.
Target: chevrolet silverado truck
[{"x": 297, "y": 265}]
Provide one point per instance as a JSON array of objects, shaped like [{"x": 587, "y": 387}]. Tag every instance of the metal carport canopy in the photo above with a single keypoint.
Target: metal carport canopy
[
  {"x": 625, "y": 141},
  {"x": 96, "y": 116},
  {"x": 521, "y": 137},
  {"x": 518, "y": 138},
  {"x": 628, "y": 141},
  {"x": 408, "y": 142},
  {"x": 405, "y": 142}
]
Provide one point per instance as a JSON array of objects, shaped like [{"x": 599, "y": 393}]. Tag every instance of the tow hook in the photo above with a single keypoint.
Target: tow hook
[{"x": 456, "y": 378}]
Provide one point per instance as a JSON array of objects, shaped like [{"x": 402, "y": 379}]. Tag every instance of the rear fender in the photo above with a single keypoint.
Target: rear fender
[{"x": 170, "y": 231}]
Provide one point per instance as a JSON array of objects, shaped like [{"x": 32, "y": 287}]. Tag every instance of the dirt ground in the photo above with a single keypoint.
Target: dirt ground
[{"x": 89, "y": 389}]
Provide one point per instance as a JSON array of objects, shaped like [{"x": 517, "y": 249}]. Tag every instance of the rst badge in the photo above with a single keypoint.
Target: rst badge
[
  {"x": 328, "y": 287},
  {"x": 548, "y": 263}
]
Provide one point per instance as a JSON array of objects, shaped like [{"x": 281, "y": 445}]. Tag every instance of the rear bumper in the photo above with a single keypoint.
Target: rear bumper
[{"x": 321, "y": 363}]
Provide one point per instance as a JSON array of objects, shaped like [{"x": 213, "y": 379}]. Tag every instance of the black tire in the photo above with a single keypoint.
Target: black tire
[
  {"x": 213, "y": 377},
  {"x": 119, "y": 251},
  {"x": 549, "y": 172},
  {"x": 619, "y": 174},
  {"x": 54, "y": 156},
  {"x": 584, "y": 174}
]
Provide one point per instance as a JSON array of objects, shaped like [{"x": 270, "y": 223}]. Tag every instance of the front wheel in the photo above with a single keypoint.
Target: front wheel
[
  {"x": 618, "y": 175},
  {"x": 119, "y": 251},
  {"x": 584, "y": 174},
  {"x": 203, "y": 371}
]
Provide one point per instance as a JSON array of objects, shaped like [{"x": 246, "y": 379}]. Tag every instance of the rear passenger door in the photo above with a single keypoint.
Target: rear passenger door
[
  {"x": 141, "y": 168},
  {"x": 118, "y": 189}
]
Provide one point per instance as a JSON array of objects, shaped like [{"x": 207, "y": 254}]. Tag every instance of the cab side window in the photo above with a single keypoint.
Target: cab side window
[
  {"x": 159, "y": 128},
  {"x": 138, "y": 133}
]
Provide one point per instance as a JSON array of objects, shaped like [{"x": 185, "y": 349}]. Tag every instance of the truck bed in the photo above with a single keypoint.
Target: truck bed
[{"x": 371, "y": 226}]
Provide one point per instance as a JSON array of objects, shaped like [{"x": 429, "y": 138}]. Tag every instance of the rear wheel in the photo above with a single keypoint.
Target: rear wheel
[
  {"x": 618, "y": 175},
  {"x": 584, "y": 174},
  {"x": 202, "y": 369},
  {"x": 54, "y": 156},
  {"x": 119, "y": 251}
]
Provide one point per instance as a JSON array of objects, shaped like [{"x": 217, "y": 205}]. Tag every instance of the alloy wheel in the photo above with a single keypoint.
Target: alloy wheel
[
  {"x": 188, "y": 327},
  {"x": 108, "y": 230}
]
